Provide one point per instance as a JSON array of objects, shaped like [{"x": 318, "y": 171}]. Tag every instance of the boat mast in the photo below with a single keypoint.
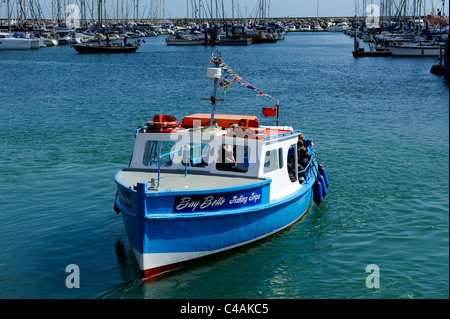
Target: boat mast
[
  {"x": 9, "y": 17},
  {"x": 215, "y": 74},
  {"x": 216, "y": 61},
  {"x": 99, "y": 19}
]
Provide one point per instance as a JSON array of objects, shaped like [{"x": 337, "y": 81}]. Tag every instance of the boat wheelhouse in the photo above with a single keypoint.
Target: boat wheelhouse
[{"x": 210, "y": 183}]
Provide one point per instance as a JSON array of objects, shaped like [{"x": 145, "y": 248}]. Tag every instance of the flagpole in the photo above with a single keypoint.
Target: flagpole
[{"x": 278, "y": 108}]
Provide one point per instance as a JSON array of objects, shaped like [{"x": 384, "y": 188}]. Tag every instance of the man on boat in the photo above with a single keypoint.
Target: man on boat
[{"x": 226, "y": 158}]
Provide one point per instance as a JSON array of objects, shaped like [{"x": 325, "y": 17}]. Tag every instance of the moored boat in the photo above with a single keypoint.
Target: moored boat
[
  {"x": 262, "y": 35},
  {"x": 416, "y": 49},
  {"x": 237, "y": 37},
  {"x": 8, "y": 42},
  {"x": 338, "y": 27},
  {"x": 105, "y": 48},
  {"x": 193, "y": 37},
  {"x": 213, "y": 182}
]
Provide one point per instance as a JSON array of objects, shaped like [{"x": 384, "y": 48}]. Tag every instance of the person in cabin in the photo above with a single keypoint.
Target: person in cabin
[
  {"x": 301, "y": 175},
  {"x": 226, "y": 160},
  {"x": 291, "y": 168},
  {"x": 125, "y": 39},
  {"x": 107, "y": 39}
]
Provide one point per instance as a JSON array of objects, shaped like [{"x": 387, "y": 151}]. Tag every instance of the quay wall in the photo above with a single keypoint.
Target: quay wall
[{"x": 185, "y": 21}]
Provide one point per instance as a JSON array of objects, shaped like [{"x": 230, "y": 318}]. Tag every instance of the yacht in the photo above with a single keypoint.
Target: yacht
[{"x": 8, "y": 42}]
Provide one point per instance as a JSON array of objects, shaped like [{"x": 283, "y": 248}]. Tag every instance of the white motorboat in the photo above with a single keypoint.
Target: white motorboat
[
  {"x": 50, "y": 42},
  {"x": 305, "y": 28},
  {"x": 8, "y": 42},
  {"x": 338, "y": 27},
  {"x": 183, "y": 38},
  {"x": 416, "y": 49},
  {"x": 291, "y": 28},
  {"x": 35, "y": 44},
  {"x": 226, "y": 183}
]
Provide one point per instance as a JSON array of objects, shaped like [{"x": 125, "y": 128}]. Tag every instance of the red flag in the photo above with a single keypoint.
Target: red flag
[{"x": 270, "y": 111}]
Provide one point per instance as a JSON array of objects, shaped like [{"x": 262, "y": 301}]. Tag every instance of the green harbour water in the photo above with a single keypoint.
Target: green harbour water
[{"x": 381, "y": 129}]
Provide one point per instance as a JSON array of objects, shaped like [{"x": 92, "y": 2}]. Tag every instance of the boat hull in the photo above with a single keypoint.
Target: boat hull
[
  {"x": 15, "y": 44},
  {"x": 186, "y": 42},
  {"x": 163, "y": 242},
  {"x": 104, "y": 49},
  {"x": 414, "y": 50},
  {"x": 362, "y": 53},
  {"x": 231, "y": 41}
]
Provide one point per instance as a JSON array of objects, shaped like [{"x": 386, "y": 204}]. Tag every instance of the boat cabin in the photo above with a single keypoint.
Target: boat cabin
[{"x": 237, "y": 151}]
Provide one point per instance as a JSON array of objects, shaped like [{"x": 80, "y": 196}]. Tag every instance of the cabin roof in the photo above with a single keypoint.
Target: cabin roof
[
  {"x": 223, "y": 120},
  {"x": 228, "y": 125}
]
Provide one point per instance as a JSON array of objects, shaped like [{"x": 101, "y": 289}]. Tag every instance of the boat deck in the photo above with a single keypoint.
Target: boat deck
[{"x": 177, "y": 181}]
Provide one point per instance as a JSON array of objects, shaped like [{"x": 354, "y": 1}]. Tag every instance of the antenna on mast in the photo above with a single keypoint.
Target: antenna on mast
[{"x": 214, "y": 73}]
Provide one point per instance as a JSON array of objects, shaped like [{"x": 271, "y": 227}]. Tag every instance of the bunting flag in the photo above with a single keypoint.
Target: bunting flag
[{"x": 236, "y": 78}]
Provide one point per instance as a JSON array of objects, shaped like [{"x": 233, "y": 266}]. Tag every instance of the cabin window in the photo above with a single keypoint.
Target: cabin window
[
  {"x": 271, "y": 161},
  {"x": 291, "y": 162},
  {"x": 198, "y": 155},
  {"x": 280, "y": 158},
  {"x": 233, "y": 158},
  {"x": 154, "y": 149}
]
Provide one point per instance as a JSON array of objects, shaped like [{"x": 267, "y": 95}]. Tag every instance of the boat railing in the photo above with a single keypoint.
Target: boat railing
[
  {"x": 170, "y": 153},
  {"x": 306, "y": 171},
  {"x": 186, "y": 159},
  {"x": 281, "y": 135},
  {"x": 310, "y": 168}
]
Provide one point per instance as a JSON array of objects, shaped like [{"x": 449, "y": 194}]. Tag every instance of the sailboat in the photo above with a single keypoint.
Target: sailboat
[
  {"x": 8, "y": 42},
  {"x": 105, "y": 48}
]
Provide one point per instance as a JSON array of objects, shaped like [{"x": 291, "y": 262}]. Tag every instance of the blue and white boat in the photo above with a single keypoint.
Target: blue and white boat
[{"x": 210, "y": 183}]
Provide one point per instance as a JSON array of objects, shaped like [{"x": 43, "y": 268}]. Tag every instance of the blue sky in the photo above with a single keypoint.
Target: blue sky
[
  {"x": 243, "y": 8},
  {"x": 299, "y": 8},
  {"x": 278, "y": 8}
]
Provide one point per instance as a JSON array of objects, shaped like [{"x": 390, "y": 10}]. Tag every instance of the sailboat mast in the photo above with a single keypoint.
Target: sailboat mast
[
  {"x": 9, "y": 17},
  {"x": 99, "y": 19}
]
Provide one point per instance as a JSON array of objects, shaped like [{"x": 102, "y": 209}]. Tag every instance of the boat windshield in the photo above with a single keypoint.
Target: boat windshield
[
  {"x": 232, "y": 157},
  {"x": 153, "y": 151}
]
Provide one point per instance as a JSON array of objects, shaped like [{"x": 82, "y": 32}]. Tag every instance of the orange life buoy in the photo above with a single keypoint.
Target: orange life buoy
[
  {"x": 163, "y": 124},
  {"x": 248, "y": 123}
]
